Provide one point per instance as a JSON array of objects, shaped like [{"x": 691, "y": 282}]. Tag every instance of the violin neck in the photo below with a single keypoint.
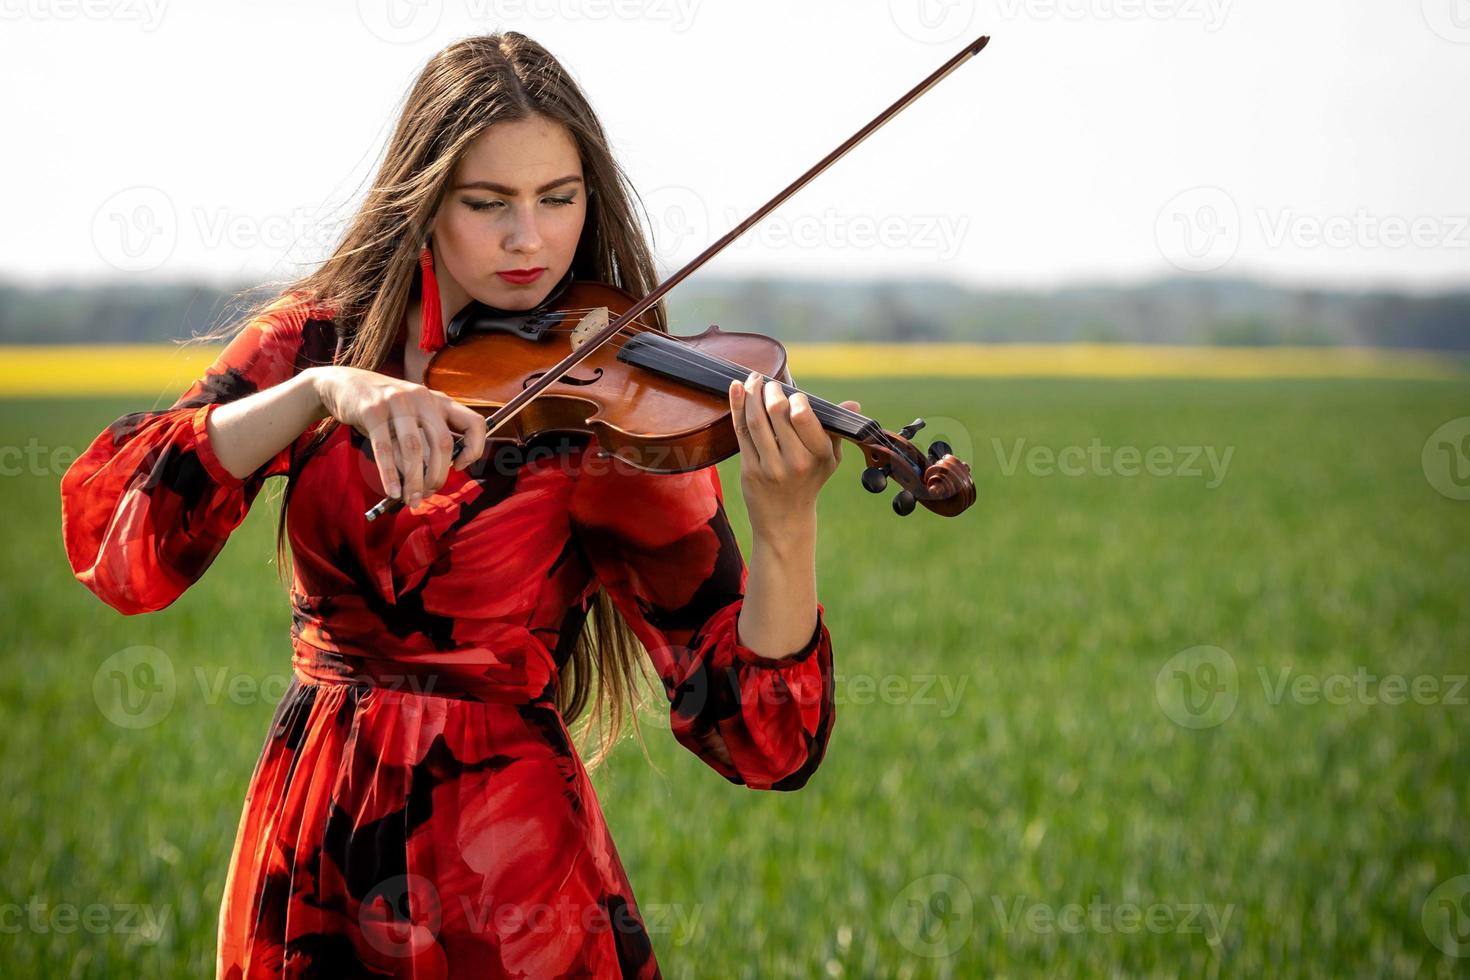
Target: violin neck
[
  {"x": 699, "y": 369},
  {"x": 834, "y": 418}
]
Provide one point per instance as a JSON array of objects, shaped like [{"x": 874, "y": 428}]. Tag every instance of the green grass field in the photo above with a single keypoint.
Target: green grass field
[{"x": 1030, "y": 776}]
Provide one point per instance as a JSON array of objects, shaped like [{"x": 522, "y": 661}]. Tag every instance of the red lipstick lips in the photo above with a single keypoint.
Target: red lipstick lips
[{"x": 521, "y": 277}]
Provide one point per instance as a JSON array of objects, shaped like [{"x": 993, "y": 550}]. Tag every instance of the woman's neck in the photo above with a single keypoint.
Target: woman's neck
[{"x": 415, "y": 361}]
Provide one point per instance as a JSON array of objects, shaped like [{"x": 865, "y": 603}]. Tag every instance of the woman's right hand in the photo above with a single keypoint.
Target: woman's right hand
[{"x": 412, "y": 428}]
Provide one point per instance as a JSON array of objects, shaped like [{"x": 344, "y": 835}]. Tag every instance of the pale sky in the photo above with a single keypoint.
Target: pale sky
[{"x": 1313, "y": 141}]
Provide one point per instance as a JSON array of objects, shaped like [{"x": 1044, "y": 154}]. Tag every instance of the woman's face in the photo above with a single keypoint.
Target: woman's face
[{"x": 516, "y": 202}]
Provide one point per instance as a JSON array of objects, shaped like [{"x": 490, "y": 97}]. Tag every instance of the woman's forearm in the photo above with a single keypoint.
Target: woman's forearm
[
  {"x": 780, "y": 609},
  {"x": 248, "y": 432}
]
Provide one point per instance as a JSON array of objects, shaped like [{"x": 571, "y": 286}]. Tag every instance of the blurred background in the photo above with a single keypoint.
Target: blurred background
[{"x": 1187, "y": 284}]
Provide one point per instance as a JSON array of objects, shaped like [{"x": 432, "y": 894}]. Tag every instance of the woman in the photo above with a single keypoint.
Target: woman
[{"x": 418, "y": 808}]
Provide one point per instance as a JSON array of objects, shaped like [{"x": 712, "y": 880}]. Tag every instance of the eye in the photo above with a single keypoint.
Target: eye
[
  {"x": 558, "y": 201},
  {"x": 482, "y": 205}
]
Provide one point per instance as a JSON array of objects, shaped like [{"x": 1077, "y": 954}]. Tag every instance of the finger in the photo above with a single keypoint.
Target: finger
[
  {"x": 441, "y": 446},
  {"x": 742, "y": 428},
  {"x": 470, "y": 424},
  {"x": 837, "y": 440},
  {"x": 807, "y": 428},
  {"x": 759, "y": 424},
  {"x": 380, "y": 436},
  {"x": 778, "y": 412},
  {"x": 410, "y": 446}
]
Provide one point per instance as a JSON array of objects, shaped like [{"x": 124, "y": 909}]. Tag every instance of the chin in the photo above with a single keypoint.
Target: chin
[{"x": 505, "y": 297}]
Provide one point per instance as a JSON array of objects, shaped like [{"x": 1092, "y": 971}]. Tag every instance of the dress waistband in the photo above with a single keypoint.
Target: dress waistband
[{"x": 341, "y": 640}]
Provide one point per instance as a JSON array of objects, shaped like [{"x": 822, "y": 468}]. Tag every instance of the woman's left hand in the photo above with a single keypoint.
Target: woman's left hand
[{"x": 785, "y": 453}]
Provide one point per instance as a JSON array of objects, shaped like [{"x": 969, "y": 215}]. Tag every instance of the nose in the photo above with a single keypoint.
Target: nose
[{"x": 524, "y": 236}]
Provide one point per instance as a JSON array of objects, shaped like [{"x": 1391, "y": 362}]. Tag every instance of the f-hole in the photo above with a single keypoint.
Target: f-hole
[{"x": 565, "y": 379}]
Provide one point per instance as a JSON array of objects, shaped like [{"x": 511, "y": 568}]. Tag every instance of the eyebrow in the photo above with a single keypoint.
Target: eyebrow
[{"x": 511, "y": 191}]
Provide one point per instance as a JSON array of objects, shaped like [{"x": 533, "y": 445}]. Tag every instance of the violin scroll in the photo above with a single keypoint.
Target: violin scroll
[{"x": 935, "y": 478}]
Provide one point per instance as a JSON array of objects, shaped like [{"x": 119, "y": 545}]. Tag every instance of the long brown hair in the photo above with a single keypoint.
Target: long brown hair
[{"x": 372, "y": 277}]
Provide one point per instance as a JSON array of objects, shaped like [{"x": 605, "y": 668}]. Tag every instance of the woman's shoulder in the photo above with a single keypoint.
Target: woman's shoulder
[
  {"x": 290, "y": 312},
  {"x": 295, "y": 326},
  {"x": 281, "y": 338}
]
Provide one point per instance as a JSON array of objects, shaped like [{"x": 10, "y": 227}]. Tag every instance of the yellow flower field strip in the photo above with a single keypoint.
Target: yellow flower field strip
[
  {"x": 166, "y": 370},
  {"x": 1119, "y": 361}
]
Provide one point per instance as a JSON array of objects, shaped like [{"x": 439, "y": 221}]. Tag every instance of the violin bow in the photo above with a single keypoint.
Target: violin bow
[{"x": 943, "y": 487}]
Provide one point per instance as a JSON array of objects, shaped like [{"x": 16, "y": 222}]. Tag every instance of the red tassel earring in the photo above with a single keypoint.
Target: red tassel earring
[{"x": 431, "y": 334}]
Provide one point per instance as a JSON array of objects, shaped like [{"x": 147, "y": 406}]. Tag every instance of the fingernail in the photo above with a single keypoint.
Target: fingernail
[{"x": 418, "y": 498}]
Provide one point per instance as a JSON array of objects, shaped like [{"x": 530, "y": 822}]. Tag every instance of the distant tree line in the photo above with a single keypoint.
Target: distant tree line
[{"x": 1170, "y": 311}]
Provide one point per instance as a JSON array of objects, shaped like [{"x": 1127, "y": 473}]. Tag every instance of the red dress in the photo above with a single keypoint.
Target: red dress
[{"x": 418, "y": 809}]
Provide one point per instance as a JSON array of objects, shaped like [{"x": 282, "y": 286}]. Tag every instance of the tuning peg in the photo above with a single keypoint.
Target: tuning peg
[
  {"x": 903, "y": 503},
  {"x": 875, "y": 478},
  {"x": 908, "y": 431},
  {"x": 938, "y": 449}
]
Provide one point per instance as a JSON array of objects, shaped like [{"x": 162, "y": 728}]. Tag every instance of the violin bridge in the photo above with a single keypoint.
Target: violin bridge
[{"x": 591, "y": 324}]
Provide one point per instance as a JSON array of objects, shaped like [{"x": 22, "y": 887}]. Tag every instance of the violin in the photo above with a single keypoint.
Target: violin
[{"x": 582, "y": 361}]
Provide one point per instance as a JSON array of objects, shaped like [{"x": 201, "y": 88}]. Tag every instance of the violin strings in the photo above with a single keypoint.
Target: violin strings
[
  {"x": 731, "y": 371},
  {"x": 721, "y": 366}
]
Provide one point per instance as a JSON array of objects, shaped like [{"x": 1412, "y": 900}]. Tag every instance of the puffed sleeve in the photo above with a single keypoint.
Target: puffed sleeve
[
  {"x": 662, "y": 548},
  {"x": 148, "y": 506}
]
